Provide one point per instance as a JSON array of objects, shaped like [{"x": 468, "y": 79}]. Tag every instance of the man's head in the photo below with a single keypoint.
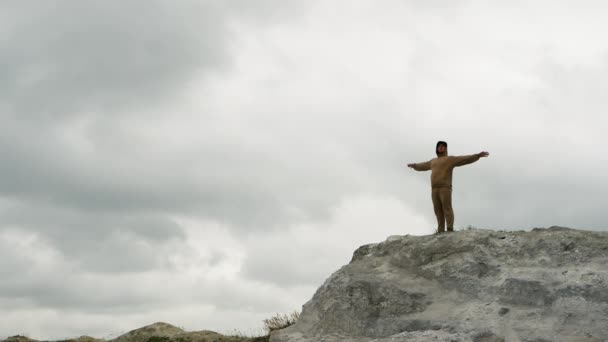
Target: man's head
[{"x": 441, "y": 148}]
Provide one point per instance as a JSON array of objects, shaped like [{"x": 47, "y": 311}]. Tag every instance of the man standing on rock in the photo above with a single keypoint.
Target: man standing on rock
[{"x": 441, "y": 181}]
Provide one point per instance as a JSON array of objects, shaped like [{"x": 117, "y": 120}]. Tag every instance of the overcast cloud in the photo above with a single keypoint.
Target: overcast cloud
[{"x": 211, "y": 163}]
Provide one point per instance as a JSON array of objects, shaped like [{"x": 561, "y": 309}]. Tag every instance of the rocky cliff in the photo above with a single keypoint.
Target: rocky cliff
[{"x": 472, "y": 285}]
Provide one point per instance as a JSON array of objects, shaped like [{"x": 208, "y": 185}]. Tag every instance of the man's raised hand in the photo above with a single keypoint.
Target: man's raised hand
[{"x": 484, "y": 154}]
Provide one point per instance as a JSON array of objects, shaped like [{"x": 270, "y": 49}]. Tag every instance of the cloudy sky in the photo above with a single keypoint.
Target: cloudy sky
[{"x": 210, "y": 163}]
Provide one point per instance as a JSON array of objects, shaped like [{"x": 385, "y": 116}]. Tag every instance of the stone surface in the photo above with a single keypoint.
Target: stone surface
[
  {"x": 472, "y": 285},
  {"x": 164, "y": 332}
]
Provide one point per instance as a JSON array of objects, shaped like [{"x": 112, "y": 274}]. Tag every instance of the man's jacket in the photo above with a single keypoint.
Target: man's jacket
[{"x": 442, "y": 166}]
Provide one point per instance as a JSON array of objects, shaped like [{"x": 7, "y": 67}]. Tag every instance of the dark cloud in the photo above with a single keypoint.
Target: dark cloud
[
  {"x": 70, "y": 293},
  {"x": 98, "y": 242},
  {"x": 64, "y": 59},
  {"x": 92, "y": 62},
  {"x": 68, "y": 58},
  {"x": 229, "y": 183}
]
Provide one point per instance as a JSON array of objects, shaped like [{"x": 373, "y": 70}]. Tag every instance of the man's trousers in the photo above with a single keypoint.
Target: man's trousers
[{"x": 442, "y": 203}]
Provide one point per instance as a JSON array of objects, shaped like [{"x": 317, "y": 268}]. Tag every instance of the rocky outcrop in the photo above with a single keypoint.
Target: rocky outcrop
[
  {"x": 158, "y": 330},
  {"x": 164, "y": 332},
  {"x": 472, "y": 285}
]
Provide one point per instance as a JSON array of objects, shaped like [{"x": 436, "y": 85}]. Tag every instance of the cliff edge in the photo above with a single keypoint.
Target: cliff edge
[{"x": 472, "y": 285}]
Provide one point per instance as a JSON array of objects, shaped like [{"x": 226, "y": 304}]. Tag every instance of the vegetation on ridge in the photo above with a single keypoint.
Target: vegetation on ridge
[{"x": 163, "y": 332}]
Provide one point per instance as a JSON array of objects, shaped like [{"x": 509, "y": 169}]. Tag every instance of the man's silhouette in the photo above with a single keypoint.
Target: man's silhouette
[{"x": 441, "y": 181}]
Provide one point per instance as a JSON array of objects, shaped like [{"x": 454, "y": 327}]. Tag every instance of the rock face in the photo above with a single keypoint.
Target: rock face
[{"x": 473, "y": 285}]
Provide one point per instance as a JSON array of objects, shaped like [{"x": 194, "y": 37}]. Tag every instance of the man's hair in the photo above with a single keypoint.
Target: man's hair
[{"x": 440, "y": 143}]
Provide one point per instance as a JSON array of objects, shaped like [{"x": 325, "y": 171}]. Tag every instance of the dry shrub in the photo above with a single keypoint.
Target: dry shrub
[{"x": 281, "y": 321}]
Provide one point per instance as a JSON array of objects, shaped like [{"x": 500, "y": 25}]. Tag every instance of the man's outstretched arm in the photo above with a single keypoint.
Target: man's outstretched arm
[
  {"x": 420, "y": 166},
  {"x": 464, "y": 160}
]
